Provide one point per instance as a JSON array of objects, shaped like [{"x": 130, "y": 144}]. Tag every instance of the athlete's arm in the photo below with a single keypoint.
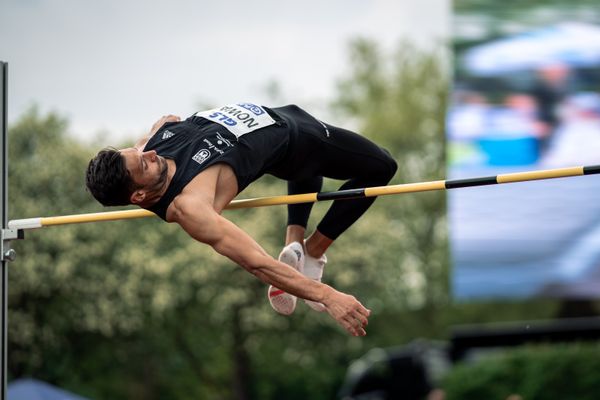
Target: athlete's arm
[
  {"x": 155, "y": 127},
  {"x": 204, "y": 224}
]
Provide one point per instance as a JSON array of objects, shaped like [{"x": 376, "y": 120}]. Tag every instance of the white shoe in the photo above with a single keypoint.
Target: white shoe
[
  {"x": 283, "y": 302},
  {"x": 313, "y": 269}
]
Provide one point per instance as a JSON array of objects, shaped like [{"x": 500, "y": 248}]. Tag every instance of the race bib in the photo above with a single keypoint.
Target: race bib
[{"x": 240, "y": 118}]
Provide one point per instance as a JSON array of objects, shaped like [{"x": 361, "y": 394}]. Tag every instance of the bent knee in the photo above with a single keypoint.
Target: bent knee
[
  {"x": 382, "y": 171},
  {"x": 390, "y": 166}
]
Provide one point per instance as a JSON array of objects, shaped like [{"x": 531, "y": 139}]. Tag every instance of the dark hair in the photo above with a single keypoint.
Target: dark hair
[{"x": 107, "y": 178}]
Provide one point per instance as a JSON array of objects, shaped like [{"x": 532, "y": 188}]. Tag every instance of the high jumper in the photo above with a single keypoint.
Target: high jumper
[{"x": 188, "y": 171}]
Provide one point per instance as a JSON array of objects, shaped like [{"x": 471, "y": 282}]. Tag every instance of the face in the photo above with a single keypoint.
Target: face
[{"x": 147, "y": 169}]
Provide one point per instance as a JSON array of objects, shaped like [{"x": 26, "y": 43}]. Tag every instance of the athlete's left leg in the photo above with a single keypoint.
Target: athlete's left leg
[{"x": 293, "y": 252}]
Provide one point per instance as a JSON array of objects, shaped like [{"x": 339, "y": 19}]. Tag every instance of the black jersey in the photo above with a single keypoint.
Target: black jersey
[{"x": 197, "y": 143}]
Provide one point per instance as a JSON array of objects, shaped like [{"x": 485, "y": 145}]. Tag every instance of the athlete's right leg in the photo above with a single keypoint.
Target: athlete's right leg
[
  {"x": 298, "y": 214},
  {"x": 362, "y": 164},
  {"x": 321, "y": 149},
  {"x": 337, "y": 153},
  {"x": 343, "y": 154}
]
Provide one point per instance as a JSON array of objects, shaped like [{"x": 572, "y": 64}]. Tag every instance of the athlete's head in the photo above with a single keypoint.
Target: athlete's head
[
  {"x": 128, "y": 176},
  {"x": 107, "y": 178}
]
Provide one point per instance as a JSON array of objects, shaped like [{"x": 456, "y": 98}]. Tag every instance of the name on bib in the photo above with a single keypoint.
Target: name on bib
[{"x": 240, "y": 118}]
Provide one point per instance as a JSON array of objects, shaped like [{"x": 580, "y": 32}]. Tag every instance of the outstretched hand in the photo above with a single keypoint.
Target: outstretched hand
[
  {"x": 163, "y": 120},
  {"x": 348, "y": 312}
]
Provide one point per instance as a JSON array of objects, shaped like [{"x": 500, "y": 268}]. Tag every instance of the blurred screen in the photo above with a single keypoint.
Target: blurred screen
[{"x": 525, "y": 97}]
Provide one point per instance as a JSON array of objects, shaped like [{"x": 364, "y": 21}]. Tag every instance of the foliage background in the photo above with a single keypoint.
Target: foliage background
[{"x": 548, "y": 372}]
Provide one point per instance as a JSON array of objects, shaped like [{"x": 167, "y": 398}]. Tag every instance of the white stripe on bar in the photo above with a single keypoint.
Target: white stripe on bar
[{"x": 27, "y": 223}]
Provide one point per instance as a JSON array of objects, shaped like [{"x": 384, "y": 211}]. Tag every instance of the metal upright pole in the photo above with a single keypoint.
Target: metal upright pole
[{"x": 4, "y": 211}]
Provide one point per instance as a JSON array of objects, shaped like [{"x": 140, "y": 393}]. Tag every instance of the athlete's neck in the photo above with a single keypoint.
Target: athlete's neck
[{"x": 154, "y": 196}]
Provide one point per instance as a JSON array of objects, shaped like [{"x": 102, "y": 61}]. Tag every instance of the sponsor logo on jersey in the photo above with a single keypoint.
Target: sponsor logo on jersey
[
  {"x": 213, "y": 147},
  {"x": 256, "y": 110},
  {"x": 167, "y": 134},
  {"x": 221, "y": 140},
  {"x": 201, "y": 156}
]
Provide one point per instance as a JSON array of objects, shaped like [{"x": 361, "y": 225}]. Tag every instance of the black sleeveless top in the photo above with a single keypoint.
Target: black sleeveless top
[{"x": 197, "y": 143}]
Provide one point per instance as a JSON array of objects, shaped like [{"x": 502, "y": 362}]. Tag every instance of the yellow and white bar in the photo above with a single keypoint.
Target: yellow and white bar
[{"x": 32, "y": 223}]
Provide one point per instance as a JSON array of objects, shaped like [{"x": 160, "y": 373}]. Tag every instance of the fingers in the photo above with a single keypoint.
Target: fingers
[
  {"x": 361, "y": 314},
  {"x": 365, "y": 312},
  {"x": 172, "y": 118},
  {"x": 354, "y": 327},
  {"x": 163, "y": 120},
  {"x": 168, "y": 118},
  {"x": 349, "y": 313},
  {"x": 355, "y": 322},
  {"x": 362, "y": 319}
]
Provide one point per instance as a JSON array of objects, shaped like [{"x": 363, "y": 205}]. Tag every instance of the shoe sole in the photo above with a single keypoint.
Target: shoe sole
[{"x": 281, "y": 301}]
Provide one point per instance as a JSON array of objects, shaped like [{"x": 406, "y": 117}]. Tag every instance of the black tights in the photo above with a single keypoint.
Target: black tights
[{"x": 328, "y": 151}]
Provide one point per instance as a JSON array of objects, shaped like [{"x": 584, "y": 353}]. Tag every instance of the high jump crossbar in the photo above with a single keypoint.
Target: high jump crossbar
[{"x": 33, "y": 223}]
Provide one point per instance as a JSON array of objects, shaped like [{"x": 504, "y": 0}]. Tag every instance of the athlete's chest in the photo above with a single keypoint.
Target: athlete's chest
[{"x": 216, "y": 185}]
